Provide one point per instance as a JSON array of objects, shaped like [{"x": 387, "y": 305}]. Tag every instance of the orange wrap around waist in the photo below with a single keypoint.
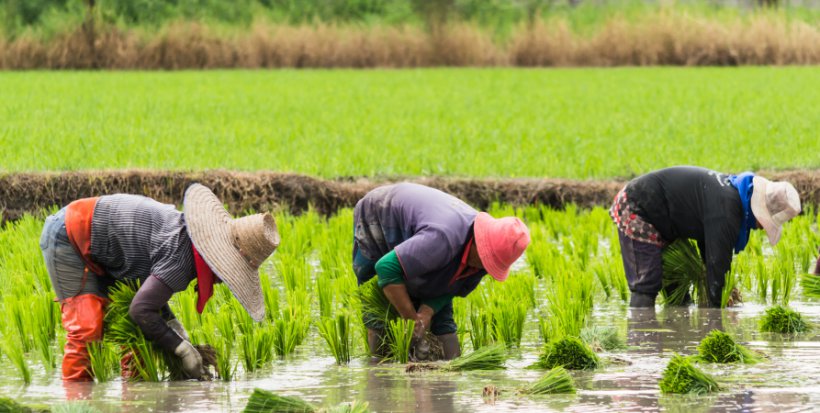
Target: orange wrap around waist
[{"x": 78, "y": 217}]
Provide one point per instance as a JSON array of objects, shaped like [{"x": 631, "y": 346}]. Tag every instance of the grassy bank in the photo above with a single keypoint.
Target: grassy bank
[
  {"x": 588, "y": 123},
  {"x": 655, "y": 37}
]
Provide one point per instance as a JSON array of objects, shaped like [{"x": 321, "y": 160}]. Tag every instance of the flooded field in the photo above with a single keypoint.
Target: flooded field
[
  {"x": 789, "y": 381},
  {"x": 309, "y": 280}
]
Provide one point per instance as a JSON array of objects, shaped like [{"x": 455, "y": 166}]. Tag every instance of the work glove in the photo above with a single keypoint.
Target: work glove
[
  {"x": 191, "y": 360},
  {"x": 175, "y": 325}
]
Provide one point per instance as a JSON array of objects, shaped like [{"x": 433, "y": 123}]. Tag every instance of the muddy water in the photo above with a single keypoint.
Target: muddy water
[{"x": 788, "y": 381}]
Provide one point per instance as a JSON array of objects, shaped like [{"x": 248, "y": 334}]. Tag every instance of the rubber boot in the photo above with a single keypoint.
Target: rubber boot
[
  {"x": 82, "y": 318},
  {"x": 450, "y": 344},
  {"x": 641, "y": 300}
]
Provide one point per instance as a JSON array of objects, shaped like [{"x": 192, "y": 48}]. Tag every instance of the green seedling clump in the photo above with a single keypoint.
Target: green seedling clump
[
  {"x": 8, "y": 405},
  {"x": 491, "y": 357},
  {"x": 810, "y": 284},
  {"x": 683, "y": 270},
  {"x": 556, "y": 381},
  {"x": 719, "y": 347},
  {"x": 569, "y": 352},
  {"x": 263, "y": 401},
  {"x": 779, "y": 319},
  {"x": 682, "y": 376}
]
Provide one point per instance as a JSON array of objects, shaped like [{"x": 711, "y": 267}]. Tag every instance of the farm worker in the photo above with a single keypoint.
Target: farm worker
[
  {"x": 427, "y": 247},
  {"x": 714, "y": 209},
  {"x": 95, "y": 242}
]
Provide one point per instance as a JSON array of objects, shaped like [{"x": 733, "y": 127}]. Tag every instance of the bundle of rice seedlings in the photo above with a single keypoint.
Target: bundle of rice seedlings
[
  {"x": 779, "y": 319},
  {"x": 603, "y": 338},
  {"x": 375, "y": 305},
  {"x": 556, "y": 381},
  {"x": 569, "y": 352},
  {"x": 8, "y": 405},
  {"x": 810, "y": 284},
  {"x": 263, "y": 401},
  {"x": 336, "y": 333},
  {"x": 682, "y": 376},
  {"x": 719, "y": 347},
  {"x": 104, "y": 362},
  {"x": 491, "y": 357},
  {"x": 683, "y": 270},
  {"x": 149, "y": 362}
]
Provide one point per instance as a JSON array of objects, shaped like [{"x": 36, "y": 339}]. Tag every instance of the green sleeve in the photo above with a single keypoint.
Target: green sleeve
[
  {"x": 438, "y": 303},
  {"x": 389, "y": 270}
]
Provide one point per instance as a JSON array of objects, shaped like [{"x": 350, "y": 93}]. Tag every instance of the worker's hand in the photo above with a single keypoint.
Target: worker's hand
[
  {"x": 424, "y": 317},
  {"x": 175, "y": 325},
  {"x": 191, "y": 360}
]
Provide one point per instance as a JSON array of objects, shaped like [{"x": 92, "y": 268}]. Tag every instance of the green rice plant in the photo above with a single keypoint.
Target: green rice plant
[
  {"x": 810, "y": 283},
  {"x": 104, "y": 361},
  {"x": 491, "y": 357},
  {"x": 43, "y": 326},
  {"x": 74, "y": 407},
  {"x": 683, "y": 271},
  {"x": 508, "y": 318},
  {"x": 324, "y": 287},
  {"x": 556, "y": 381},
  {"x": 569, "y": 352},
  {"x": 375, "y": 305},
  {"x": 481, "y": 329},
  {"x": 263, "y": 401},
  {"x": 400, "y": 336},
  {"x": 294, "y": 270},
  {"x": 719, "y": 347},
  {"x": 569, "y": 306},
  {"x": 336, "y": 333},
  {"x": 8, "y": 405},
  {"x": 602, "y": 338},
  {"x": 258, "y": 347},
  {"x": 779, "y": 319},
  {"x": 123, "y": 333},
  {"x": 355, "y": 407},
  {"x": 682, "y": 376},
  {"x": 14, "y": 352}
]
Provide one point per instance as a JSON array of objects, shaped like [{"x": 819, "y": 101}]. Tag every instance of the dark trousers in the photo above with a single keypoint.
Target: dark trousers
[{"x": 643, "y": 265}]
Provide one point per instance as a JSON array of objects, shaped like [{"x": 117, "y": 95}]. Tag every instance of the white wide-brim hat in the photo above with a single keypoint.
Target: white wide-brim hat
[
  {"x": 233, "y": 248},
  {"x": 773, "y": 204}
]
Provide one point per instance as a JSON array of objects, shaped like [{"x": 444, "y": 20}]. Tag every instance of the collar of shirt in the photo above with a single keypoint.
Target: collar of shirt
[
  {"x": 205, "y": 280},
  {"x": 464, "y": 270}
]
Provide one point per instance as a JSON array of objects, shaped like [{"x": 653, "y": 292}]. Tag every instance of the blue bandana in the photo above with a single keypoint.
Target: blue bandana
[{"x": 743, "y": 184}]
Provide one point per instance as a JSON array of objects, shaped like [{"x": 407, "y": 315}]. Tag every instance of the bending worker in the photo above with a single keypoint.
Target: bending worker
[
  {"x": 95, "y": 242},
  {"x": 427, "y": 247},
  {"x": 716, "y": 210}
]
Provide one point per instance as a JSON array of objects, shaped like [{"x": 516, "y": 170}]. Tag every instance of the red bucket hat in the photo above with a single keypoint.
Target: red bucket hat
[{"x": 499, "y": 243}]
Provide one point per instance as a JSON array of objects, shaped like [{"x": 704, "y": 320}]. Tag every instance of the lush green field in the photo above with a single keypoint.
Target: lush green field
[{"x": 576, "y": 123}]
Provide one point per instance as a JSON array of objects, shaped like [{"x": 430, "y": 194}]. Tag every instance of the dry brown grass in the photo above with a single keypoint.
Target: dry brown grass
[{"x": 658, "y": 39}]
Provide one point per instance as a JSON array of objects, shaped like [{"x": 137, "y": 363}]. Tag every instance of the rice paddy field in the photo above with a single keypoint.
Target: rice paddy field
[
  {"x": 572, "y": 123},
  {"x": 558, "y": 335}
]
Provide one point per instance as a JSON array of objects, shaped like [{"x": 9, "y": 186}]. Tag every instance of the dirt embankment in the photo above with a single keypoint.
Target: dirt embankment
[{"x": 22, "y": 193}]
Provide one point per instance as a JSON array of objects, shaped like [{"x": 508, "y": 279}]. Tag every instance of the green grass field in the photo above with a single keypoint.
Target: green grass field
[{"x": 574, "y": 123}]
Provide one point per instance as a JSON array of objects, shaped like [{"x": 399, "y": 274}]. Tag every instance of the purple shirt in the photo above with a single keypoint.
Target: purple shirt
[{"x": 427, "y": 228}]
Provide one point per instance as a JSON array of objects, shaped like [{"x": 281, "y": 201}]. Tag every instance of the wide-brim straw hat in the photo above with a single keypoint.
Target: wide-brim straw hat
[
  {"x": 499, "y": 242},
  {"x": 773, "y": 204},
  {"x": 233, "y": 248}
]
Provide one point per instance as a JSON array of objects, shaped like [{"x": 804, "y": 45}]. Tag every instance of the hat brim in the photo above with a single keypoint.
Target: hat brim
[
  {"x": 761, "y": 211},
  {"x": 481, "y": 231},
  {"x": 208, "y": 226}
]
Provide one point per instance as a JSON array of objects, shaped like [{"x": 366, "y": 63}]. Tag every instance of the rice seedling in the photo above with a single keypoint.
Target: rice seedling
[
  {"x": 336, "y": 333},
  {"x": 555, "y": 381},
  {"x": 43, "y": 327},
  {"x": 508, "y": 318},
  {"x": 400, "y": 336},
  {"x": 683, "y": 271},
  {"x": 14, "y": 352},
  {"x": 375, "y": 305},
  {"x": 682, "y": 376},
  {"x": 570, "y": 304},
  {"x": 258, "y": 347},
  {"x": 8, "y": 405},
  {"x": 355, "y": 407},
  {"x": 779, "y": 319},
  {"x": 719, "y": 347},
  {"x": 104, "y": 361},
  {"x": 325, "y": 292},
  {"x": 74, "y": 407},
  {"x": 481, "y": 329},
  {"x": 491, "y": 357},
  {"x": 810, "y": 283},
  {"x": 603, "y": 338},
  {"x": 569, "y": 352},
  {"x": 263, "y": 401}
]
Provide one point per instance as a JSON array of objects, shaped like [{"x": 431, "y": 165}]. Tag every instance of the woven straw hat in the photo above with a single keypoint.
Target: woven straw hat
[
  {"x": 233, "y": 248},
  {"x": 774, "y": 203}
]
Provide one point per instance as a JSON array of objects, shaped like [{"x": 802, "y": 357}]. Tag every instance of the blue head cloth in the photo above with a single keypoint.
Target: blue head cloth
[{"x": 743, "y": 184}]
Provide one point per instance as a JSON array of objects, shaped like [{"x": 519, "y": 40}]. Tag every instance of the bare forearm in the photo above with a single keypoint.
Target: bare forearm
[{"x": 397, "y": 295}]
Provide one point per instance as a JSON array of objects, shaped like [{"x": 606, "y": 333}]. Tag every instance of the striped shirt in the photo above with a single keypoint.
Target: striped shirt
[{"x": 133, "y": 237}]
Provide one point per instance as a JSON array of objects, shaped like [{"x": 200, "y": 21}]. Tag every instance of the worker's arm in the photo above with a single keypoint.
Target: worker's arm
[
  {"x": 389, "y": 271},
  {"x": 146, "y": 311}
]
